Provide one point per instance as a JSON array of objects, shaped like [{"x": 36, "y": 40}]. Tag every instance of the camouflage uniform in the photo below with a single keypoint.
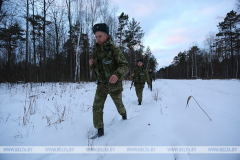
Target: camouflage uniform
[
  {"x": 151, "y": 77},
  {"x": 108, "y": 61},
  {"x": 139, "y": 78}
]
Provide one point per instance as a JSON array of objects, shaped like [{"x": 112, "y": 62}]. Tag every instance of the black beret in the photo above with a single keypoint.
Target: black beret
[
  {"x": 100, "y": 27},
  {"x": 140, "y": 60},
  {"x": 150, "y": 67}
]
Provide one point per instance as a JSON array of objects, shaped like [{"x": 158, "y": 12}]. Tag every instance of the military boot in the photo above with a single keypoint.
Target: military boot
[
  {"x": 100, "y": 132},
  {"x": 124, "y": 117},
  {"x": 139, "y": 103}
]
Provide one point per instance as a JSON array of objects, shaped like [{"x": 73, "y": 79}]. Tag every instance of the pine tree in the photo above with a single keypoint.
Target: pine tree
[
  {"x": 133, "y": 37},
  {"x": 122, "y": 21},
  {"x": 147, "y": 56},
  {"x": 10, "y": 38},
  {"x": 227, "y": 30}
]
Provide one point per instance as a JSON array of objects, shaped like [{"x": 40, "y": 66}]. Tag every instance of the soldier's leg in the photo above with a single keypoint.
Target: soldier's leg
[
  {"x": 117, "y": 99},
  {"x": 98, "y": 105},
  {"x": 139, "y": 90},
  {"x": 151, "y": 85}
]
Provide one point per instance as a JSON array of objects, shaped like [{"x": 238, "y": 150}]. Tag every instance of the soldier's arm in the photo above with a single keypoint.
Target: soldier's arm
[
  {"x": 122, "y": 63},
  {"x": 92, "y": 66},
  {"x": 133, "y": 72},
  {"x": 92, "y": 59}
]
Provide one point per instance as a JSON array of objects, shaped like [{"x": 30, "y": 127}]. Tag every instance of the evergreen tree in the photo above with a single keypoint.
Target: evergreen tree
[
  {"x": 37, "y": 21},
  {"x": 122, "y": 21},
  {"x": 133, "y": 37},
  {"x": 228, "y": 30},
  {"x": 147, "y": 56},
  {"x": 9, "y": 38}
]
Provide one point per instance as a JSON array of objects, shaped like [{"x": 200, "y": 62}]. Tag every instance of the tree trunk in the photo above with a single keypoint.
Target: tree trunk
[
  {"x": 34, "y": 44},
  {"x": 44, "y": 40},
  {"x": 195, "y": 64},
  {"x": 57, "y": 64},
  {"x": 26, "y": 63},
  {"x": 78, "y": 62},
  {"x": 9, "y": 69},
  {"x": 232, "y": 60},
  {"x": 70, "y": 37},
  {"x": 192, "y": 65}
]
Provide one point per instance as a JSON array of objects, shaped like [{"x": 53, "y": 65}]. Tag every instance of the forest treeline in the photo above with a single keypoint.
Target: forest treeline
[
  {"x": 220, "y": 58},
  {"x": 52, "y": 40}
]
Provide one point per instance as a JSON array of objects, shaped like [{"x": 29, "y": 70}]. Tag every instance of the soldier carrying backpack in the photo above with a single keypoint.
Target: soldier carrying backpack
[{"x": 109, "y": 67}]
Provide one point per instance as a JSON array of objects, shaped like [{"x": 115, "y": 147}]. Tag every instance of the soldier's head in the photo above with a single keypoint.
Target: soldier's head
[
  {"x": 101, "y": 32},
  {"x": 150, "y": 69},
  {"x": 140, "y": 62}
]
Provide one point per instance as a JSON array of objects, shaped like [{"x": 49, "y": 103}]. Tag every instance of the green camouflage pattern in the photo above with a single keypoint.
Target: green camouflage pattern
[
  {"x": 103, "y": 89},
  {"x": 151, "y": 77},
  {"x": 139, "y": 91},
  {"x": 139, "y": 78},
  {"x": 108, "y": 62},
  {"x": 140, "y": 75}
]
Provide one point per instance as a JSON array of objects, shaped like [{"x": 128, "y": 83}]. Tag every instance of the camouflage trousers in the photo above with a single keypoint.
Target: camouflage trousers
[
  {"x": 139, "y": 91},
  {"x": 115, "y": 91},
  {"x": 150, "y": 85}
]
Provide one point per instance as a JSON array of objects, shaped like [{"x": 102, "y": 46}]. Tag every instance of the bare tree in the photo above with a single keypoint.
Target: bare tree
[
  {"x": 27, "y": 26},
  {"x": 238, "y": 5},
  {"x": 33, "y": 34},
  {"x": 68, "y": 2},
  {"x": 2, "y": 13},
  {"x": 78, "y": 52},
  {"x": 104, "y": 11},
  {"x": 92, "y": 11},
  {"x": 57, "y": 19},
  {"x": 45, "y": 8},
  {"x": 210, "y": 43},
  {"x": 193, "y": 55}
]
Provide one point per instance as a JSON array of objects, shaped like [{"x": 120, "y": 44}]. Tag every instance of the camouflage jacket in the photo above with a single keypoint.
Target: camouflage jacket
[
  {"x": 151, "y": 76},
  {"x": 108, "y": 60},
  {"x": 140, "y": 75}
]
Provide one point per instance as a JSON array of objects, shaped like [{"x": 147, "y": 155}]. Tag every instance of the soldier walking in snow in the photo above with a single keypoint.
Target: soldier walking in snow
[
  {"x": 140, "y": 76},
  {"x": 109, "y": 67},
  {"x": 151, "y": 77}
]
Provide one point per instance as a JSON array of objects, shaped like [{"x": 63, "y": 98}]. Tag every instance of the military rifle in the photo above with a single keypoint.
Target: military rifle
[{"x": 131, "y": 85}]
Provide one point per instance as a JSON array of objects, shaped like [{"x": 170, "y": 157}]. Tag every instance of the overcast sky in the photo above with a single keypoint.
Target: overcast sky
[{"x": 172, "y": 26}]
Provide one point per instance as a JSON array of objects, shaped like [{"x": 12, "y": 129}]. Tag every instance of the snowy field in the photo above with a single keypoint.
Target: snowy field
[{"x": 60, "y": 114}]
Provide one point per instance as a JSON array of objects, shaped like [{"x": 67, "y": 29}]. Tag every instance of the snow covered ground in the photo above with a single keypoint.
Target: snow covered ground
[{"x": 60, "y": 114}]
